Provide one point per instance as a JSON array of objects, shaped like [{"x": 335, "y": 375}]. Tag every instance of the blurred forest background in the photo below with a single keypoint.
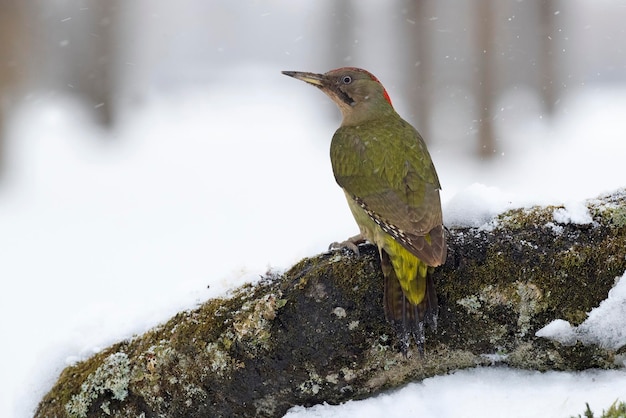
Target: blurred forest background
[
  {"x": 152, "y": 155},
  {"x": 457, "y": 63}
]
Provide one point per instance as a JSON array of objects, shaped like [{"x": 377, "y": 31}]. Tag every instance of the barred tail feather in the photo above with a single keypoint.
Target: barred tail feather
[{"x": 407, "y": 318}]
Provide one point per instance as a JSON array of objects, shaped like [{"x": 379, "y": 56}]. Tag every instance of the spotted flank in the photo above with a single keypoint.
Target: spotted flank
[{"x": 389, "y": 228}]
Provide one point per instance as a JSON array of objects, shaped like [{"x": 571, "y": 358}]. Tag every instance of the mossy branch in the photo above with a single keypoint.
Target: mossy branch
[{"x": 317, "y": 333}]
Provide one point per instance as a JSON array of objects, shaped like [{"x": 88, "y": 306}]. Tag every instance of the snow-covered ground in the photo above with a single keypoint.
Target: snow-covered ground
[
  {"x": 104, "y": 235},
  {"x": 486, "y": 392}
]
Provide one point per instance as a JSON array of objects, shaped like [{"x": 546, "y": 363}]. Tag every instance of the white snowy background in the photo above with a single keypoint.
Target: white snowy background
[{"x": 104, "y": 234}]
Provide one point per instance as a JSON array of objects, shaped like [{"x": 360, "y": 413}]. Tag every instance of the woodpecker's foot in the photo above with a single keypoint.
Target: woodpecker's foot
[{"x": 351, "y": 244}]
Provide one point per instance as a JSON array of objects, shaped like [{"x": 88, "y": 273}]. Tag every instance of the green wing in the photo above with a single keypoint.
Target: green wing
[{"x": 386, "y": 168}]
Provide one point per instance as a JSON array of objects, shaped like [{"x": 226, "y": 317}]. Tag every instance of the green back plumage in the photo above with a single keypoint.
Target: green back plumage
[
  {"x": 386, "y": 149},
  {"x": 384, "y": 164}
]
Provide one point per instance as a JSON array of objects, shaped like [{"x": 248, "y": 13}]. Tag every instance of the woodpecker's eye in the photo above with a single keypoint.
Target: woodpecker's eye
[{"x": 346, "y": 79}]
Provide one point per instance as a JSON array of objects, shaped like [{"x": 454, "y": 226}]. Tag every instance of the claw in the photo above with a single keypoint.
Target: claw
[
  {"x": 351, "y": 244},
  {"x": 345, "y": 244}
]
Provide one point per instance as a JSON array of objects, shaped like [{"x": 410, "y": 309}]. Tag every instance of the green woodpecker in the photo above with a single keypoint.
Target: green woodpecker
[{"x": 382, "y": 164}]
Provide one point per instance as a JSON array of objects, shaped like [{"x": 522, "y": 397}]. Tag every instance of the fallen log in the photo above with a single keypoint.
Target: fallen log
[{"x": 317, "y": 332}]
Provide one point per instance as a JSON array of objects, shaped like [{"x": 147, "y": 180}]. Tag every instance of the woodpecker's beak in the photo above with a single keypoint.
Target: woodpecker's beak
[{"x": 311, "y": 78}]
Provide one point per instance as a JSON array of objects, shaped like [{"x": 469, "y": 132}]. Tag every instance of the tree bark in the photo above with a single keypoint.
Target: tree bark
[{"x": 317, "y": 333}]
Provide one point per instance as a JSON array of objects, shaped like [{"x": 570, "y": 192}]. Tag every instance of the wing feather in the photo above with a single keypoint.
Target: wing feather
[{"x": 387, "y": 170}]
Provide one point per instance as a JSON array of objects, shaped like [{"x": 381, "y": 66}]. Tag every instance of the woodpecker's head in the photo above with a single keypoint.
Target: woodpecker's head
[{"x": 358, "y": 94}]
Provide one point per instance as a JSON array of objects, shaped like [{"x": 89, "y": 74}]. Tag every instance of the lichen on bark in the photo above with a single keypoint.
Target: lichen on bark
[{"x": 317, "y": 332}]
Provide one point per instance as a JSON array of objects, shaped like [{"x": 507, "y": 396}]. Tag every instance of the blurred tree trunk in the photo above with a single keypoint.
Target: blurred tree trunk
[
  {"x": 547, "y": 75},
  {"x": 420, "y": 57},
  {"x": 76, "y": 51},
  {"x": 95, "y": 62},
  {"x": 11, "y": 43},
  {"x": 342, "y": 33},
  {"x": 486, "y": 73}
]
